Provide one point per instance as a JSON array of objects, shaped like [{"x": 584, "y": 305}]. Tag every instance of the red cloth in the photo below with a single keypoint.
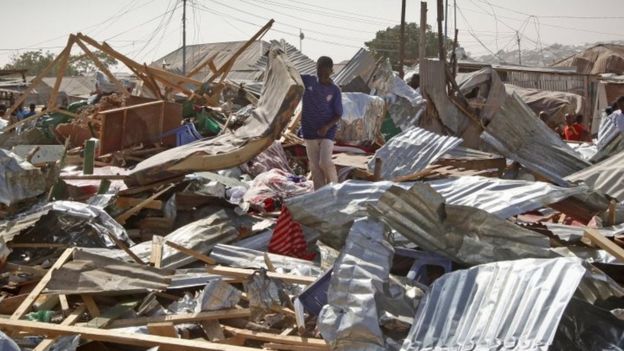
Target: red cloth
[
  {"x": 573, "y": 132},
  {"x": 288, "y": 239}
]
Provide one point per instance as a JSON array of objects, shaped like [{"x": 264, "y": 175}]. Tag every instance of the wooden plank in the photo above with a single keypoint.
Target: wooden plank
[
  {"x": 162, "y": 329},
  {"x": 110, "y": 314},
  {"x": 192, "y": 253},
  {"x": 93, "y": 177},
  {"x": 30, "y": 299},
  {"x": 125, "y": 202},
  {"x": 102, "y": 67},
  {"x": 111, "y": 336},
  {"x": 604, "y": 243},
  {"x": 183, "y": 318},
  {"x": 120, "y": 244},
  {"x": 92, "y": 307},
  {"x": 131, "y": 107},
  {"x": 70, "y": 320},
  {"x": 64, "y": 304},
  {"x": 157, "y": 251},
  {"x": 122, "y": 218},
  {"x": 245, "y": 273},
  {"x": 283, "y": 339}
]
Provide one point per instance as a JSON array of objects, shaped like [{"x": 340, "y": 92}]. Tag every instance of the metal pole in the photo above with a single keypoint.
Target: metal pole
[
  {"x": 300, "y": 40},
  {"x": 519, "y": 52},
  {"x": 402, "y": 40},
  {"x": 183, "y": 37}
]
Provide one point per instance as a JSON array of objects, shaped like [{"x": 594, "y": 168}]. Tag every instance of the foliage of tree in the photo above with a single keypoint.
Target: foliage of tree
[
  {"x": 35, "y": 61},
  {"x": 386, "y": 44}
]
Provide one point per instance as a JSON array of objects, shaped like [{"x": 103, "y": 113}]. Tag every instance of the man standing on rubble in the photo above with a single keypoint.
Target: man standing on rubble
[{"x": 321, "y": 111}]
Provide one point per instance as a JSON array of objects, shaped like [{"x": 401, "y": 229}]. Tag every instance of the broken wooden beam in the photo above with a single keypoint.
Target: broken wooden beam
[
  {"x": 183, "y": 318},
  {"x": 25, "y": 306},
  {"x": 282, "y": 339},
  {"x": 243, "y": 273},
  {"x": 604, "y": 243},
  {"x": 116, "y": 337}
]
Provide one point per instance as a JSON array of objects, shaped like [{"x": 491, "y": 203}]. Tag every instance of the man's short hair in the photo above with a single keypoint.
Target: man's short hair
[
  {"x": 325, "y": 61},
  {"x": 620, "y": 99},
  {"x": 32, "y": 106}
]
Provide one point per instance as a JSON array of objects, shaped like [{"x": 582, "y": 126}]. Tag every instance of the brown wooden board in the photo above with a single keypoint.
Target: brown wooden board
[{"x": 142, "y": 125}]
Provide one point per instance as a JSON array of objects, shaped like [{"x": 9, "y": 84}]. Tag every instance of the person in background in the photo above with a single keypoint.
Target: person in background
[
  {"x": 572, "y": 130},
  {"x": 321, "y": 112},
  {"x": 31, "y": 111}
]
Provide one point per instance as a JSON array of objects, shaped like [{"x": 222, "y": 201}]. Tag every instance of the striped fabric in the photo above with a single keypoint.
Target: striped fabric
[{"x": 288, "y": 239}]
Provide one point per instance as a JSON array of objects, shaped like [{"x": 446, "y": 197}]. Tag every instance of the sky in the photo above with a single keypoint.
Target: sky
[{"x": 146, "y": 30}]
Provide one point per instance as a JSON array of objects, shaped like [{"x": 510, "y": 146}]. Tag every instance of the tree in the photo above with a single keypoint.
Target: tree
[
  {"x": 35, "y": 61},
  {"x": 386, "y": 44}
]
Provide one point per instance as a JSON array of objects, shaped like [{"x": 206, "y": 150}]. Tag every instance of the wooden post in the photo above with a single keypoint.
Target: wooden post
[
  {"x": 422, "y": 40},
  {"x": 377, "y": 169},
  {"x": 441, "y": 52},
  {"x": 89, "y": 156},
  {"x": 104, "y": 186},
  {"x": 454, "y": 55},
  {"x": 402, "y": 41}
]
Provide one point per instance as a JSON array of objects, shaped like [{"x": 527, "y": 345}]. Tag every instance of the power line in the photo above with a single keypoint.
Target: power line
[
  {"x": 254, "y": 3},
  {"x": 286, "y": 24},
  {"x": 219, "y": 13}
]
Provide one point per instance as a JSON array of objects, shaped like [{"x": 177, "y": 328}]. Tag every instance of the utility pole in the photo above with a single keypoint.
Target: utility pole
[
  {"x": 402, "y": 40},
  {"x": 441, "y": 52},
  {"x": 422, "y": 41},
  {"x": 446, "y": 19},
  {"x": 455, "y": 14},
  {"x": 519, "y": 52},
  {"x": 184, "y": 37}
]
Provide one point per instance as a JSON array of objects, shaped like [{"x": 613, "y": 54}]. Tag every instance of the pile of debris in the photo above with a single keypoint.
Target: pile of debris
[{"x": 461, "y": 221}]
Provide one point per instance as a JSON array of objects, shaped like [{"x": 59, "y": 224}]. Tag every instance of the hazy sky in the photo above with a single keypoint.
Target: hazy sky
[{"x": 148, "y": 29}]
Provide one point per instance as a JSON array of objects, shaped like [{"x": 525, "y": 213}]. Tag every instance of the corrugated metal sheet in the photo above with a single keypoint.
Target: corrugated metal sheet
[
  {"x": 19, "y": 180},
  {"x": 235, "y": 256},
  {"x": 348, "y": 323},
  {"x": 515, "y": 134},
  {"x": 249, "y": 66},
  {"x": 361, "y": 119},
  {"x": 199, "y": 236},
  {"x": 502, "y": 197},
  {"x": 512, "y": 305},
  {"x": 361, "y": 65},
  {"x": 411, "y": 151},
  {"x": 433, "y": 85},
  {"x": 606, "y": 176},
  {"x": 332, "y": 208},
  {"x": 463, "y": 234}
]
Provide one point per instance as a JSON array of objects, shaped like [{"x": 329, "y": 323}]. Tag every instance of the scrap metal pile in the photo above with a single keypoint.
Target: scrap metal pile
[{"x": 461, "y": 222}]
